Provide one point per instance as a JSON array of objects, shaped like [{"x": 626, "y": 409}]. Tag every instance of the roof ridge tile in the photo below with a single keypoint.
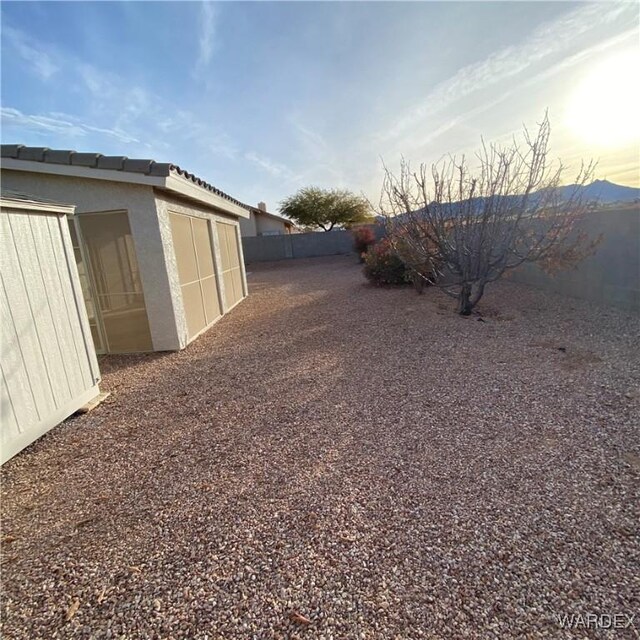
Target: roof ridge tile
[{"x": 110, "y": 163}]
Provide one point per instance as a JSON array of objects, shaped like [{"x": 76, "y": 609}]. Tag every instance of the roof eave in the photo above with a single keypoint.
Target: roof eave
[
  {"x": 74, "y": 171},
  {"x": 186, "y": 188},
  {"x": 171, "y": 183},
  {"x": 273, "y": 216}
]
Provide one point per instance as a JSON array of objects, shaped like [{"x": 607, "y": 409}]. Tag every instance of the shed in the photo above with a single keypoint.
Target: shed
[
  {"x": 48, "y": 362},
  {"x": 158, "y": 249}
]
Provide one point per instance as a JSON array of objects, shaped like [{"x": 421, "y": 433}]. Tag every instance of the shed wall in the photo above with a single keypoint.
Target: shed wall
[
  {"x": 48, "y": 364},
  {"x": 166, "y": 205},
  {"x": 139, "y": 201}
]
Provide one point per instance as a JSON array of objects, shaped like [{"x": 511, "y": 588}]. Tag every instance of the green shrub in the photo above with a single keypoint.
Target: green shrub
[{"x": 383, "y": 266}]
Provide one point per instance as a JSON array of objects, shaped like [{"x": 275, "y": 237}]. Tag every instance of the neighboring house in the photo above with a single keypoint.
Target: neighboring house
[
  {"x": 158, "y": 250},
  {"x": 263, "y": 223},
  {"x": 48, "y": 365}
]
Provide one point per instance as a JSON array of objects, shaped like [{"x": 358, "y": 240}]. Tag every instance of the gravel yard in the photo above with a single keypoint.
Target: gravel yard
[{"x": 333, "y": 460}]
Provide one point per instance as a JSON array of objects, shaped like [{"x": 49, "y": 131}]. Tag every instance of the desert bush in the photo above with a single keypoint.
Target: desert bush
[
  {"x": 382, "y": 265},
  {"x": 363, "y": 238},
  {"x": 421, "y": 260},
  {"x": 483, "y": 220}
]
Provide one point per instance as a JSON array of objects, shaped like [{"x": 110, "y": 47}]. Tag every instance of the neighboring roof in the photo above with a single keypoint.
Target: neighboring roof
[
  {"x": 262, "y": 212},
  {"x": 18, "y": 200},
  {"x": 121, "y": 164}
]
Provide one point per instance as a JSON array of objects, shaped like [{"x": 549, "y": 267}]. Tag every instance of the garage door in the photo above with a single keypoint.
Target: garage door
[
  {"x": 231, "y": 266},
  {"x": 194, "y": 257}
]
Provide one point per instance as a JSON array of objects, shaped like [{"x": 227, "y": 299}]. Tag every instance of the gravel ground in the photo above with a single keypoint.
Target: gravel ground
[{"x": 339, "y": 461}]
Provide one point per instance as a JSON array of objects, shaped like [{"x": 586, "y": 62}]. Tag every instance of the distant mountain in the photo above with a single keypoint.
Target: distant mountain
[
  {"x": 604, "y": 192},
  {"x": 601, "y": 191}
]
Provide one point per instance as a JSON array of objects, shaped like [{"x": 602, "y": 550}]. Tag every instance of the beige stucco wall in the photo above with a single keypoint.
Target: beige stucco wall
[
  {"x": 169, "y": 204},
  {"x": 258, "y": 224},
  {"x": 265, "y": 224},
  {"x": 248, "y": 226},
  {"x": 139, "y": 200}
]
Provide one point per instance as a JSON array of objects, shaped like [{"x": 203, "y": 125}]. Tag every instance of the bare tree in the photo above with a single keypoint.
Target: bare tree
[{"x": 471, "y": 228}]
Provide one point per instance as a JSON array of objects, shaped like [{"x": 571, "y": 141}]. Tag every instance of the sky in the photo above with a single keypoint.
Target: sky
[{"x": 263, "y": 98}]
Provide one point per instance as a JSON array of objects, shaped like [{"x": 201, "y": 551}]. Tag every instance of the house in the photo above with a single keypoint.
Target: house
[
  {"x": 263, "y": 223},
  {"x": 157, "y": 249},
  {"x": 48, "y": 364}
]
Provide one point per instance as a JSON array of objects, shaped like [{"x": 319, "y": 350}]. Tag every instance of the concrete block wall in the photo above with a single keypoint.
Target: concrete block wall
[
  {"x": 611, "y": 275},
  {"x": 300, "y": 245},
  {"x": 297, "y": 245}
]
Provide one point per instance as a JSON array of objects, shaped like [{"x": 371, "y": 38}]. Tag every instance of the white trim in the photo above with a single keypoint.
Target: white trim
[
  {"x": 243, "y": 269},
  {"x": 217, "y": 270},
  {"x": 93, "y": 289},
  {"x": 173, "y": 183},
  {"x": 78, "y": 296},
  {"x": 184, "y": 187},
  {"x": 7, "y": 202}
]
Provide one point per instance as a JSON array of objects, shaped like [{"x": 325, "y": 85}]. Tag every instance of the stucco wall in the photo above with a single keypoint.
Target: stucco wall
[
  {"x": 100, "y": 195},
  {"x": 265, "y": 224},
  {"x": 165, "y": 205},
  {"x": 248, "y": 226},
  {"x": 258, "y": 224}
]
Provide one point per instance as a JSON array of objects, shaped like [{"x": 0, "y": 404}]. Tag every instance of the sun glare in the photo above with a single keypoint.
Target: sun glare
[{"x": 604, "y": 110}]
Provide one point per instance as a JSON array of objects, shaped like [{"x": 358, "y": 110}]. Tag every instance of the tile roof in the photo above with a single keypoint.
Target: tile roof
[{"x": 111, "y": 163}]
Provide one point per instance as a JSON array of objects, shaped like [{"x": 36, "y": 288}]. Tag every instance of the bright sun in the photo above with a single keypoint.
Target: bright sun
[{"x": 605, "y": 108}]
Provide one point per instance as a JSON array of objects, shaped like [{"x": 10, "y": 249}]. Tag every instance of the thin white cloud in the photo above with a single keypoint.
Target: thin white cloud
[
  {"x": 101, "y": 85},
  {"x": 274, "y": 169},
  {"x": 312, "y": 140},
  {"x": 40, "y": 62},
  {"x": 206, "y": 40},
  {"x": 321, "y": 164},
  {"x": 59, "y": 124},
  {"x": 125, "y": 112},
  {"x": 546, "y": 74},
  {"x": 180, "y": 123},
  {"x": 116, "y": 97},
  {"x": 545, "y": 41}
]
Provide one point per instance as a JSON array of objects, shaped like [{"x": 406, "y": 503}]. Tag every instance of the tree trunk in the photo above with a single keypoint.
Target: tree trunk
[{"x": 464, "y": 300}]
